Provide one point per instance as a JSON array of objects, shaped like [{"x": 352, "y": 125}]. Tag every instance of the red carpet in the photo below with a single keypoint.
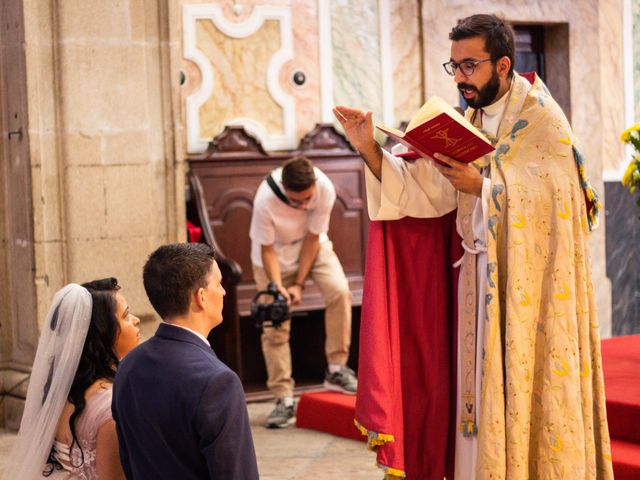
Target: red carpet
[
  {"x": 333, "y": 412},
  {"x": 621, "y": 366},
  {"x": 328, "y": 412}
]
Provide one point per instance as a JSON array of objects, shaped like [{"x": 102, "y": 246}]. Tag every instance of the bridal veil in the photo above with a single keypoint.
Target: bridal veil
[{"x": 59, "y": 349}]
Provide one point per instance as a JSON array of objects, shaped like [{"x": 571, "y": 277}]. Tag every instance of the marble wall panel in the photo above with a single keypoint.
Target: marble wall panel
[
  {"x": 356, "y": 55},
  {"x": 623, "y": 258},
  {"x": 306, "y": 59},
  {"x": 408, "y": 91},
  {"x": 304, "y": 14},
  {"x": 612, "y": 94},
  {"x": 635, "y": 9},
  {"x": 239, "y": 77}
]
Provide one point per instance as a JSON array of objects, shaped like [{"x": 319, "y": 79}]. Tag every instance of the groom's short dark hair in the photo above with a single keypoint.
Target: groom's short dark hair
[{"x": 173, "y": 273}]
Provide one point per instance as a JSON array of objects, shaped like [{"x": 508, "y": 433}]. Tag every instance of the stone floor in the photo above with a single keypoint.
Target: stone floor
[{"x": 288, "y": 454}]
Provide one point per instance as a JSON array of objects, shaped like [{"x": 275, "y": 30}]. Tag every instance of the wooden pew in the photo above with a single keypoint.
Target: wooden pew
[{"x": 222, "y": 184}]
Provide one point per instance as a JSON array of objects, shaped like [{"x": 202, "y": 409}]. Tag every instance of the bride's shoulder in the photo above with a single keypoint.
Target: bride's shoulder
[{"x": 101, "y": 387}]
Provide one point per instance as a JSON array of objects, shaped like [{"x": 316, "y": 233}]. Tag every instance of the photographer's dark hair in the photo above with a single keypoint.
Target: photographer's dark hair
[
  {"x": 98, "y": 359},
  {"x": 298, "y": 174},
  {"x": 173, "y": 273},
  {"x": 498, "y": 35}
]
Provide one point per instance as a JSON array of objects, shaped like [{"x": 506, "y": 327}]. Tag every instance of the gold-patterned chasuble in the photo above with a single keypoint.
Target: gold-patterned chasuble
[{"x": 542, "y": 411}]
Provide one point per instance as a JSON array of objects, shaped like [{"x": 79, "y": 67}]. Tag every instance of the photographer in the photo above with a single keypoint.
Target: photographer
[{"x": 289, "y": 225}]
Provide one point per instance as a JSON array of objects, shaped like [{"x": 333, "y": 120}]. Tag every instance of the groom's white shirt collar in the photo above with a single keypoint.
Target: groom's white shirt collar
[{"x": 199, "y": 335}]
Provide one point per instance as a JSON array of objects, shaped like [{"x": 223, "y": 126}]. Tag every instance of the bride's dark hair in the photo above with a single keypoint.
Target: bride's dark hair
[{"x": 98, "y": 359}]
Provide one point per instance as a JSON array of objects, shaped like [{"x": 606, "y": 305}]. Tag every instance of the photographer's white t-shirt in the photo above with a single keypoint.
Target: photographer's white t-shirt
[{"x": 273, "y": 222}]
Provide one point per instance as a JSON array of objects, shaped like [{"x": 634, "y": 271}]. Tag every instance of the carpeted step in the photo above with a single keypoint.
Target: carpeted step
[
  {"x": 328, "y": 412},
  {"x": 621, "y": 366},
  {"x": 334, "y": 412},
  {"x": 626, "y": 460}
]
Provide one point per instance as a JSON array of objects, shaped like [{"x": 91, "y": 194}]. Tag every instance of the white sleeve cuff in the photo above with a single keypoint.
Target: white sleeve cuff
[{"x": 408, "y": 189}]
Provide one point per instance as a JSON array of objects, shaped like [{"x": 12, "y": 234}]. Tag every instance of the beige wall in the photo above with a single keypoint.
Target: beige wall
[
  {"x": 106, "y": 172},
  {"x": 406, "y": 45},
  {"x": 595, "y": 66}
]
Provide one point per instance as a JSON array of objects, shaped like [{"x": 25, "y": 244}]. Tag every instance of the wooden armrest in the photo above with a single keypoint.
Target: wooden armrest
[{"x": 234, "y": 271}]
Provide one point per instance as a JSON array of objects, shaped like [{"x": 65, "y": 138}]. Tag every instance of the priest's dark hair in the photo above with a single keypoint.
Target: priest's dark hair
[{"x": 497, "y": 33}]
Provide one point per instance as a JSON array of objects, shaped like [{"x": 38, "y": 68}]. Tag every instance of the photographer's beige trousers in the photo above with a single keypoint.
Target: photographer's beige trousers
[{"x": 329, "y": 277}]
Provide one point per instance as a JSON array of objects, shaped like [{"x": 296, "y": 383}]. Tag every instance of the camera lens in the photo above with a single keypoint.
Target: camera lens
[{"x": 277, "y": 314}]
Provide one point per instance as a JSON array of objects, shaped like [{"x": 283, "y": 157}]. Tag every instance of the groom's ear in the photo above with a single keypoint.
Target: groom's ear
[{"x": 198, "y": 299}]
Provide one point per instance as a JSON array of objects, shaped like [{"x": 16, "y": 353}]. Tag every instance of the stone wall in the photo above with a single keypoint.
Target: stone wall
[
  {"x": 106, "y": 156},
  {"x": 107, "y": 173}
]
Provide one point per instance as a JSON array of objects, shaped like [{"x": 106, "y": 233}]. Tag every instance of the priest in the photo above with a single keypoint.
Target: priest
[{"x": 529, "y": 397}]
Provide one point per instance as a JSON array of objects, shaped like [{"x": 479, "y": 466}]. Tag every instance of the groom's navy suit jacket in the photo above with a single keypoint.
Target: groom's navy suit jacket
[{"x": 180, "y": 412}]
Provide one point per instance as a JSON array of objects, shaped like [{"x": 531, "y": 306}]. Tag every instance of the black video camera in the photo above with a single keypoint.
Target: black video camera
[{"x": 270, "y": 314}]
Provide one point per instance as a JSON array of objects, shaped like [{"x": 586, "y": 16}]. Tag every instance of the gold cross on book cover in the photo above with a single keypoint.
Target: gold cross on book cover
[{"x": 438, "y": 128}]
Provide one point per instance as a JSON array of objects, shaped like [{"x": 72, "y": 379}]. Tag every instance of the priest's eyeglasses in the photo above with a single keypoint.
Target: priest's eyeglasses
[{"x": 467, "y": 67}]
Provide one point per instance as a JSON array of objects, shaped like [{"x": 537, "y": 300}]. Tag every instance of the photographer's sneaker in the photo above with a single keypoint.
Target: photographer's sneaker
[
  {"x": 282, "y": 416},
  {"x": 344, "y": 381}
]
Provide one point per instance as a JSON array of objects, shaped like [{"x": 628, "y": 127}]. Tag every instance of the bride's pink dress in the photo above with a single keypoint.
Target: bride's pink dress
[{"x": 96, "y": 413}]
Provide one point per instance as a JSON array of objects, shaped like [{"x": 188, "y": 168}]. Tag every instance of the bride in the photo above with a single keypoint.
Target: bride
[{"x": 67, "y": 431}]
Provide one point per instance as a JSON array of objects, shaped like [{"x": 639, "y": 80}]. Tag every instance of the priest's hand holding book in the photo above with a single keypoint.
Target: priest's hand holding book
[
  {"x": 436, "y": 131},
  {"x": 463, "y": 176}
]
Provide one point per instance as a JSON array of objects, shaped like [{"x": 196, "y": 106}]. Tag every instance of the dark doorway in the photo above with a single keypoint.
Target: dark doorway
[{"x": 530, "y": 49}]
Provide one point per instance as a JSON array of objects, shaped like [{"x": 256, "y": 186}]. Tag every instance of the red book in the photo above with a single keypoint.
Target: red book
[{"x": 438, "y": 128}]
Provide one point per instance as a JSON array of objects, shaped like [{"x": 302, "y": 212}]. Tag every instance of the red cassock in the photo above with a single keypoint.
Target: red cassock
[{"x": 407, "y": 371}]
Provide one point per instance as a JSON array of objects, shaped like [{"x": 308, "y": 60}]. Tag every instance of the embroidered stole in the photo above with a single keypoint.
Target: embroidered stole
[{"x": 468, "y": 307}]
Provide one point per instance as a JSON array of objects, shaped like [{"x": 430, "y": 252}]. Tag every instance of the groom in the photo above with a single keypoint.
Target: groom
[{"x": 180, "y": 412}]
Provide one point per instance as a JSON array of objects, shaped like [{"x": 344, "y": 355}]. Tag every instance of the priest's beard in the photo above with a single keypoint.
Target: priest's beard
[{"x": 486, "y": 95}]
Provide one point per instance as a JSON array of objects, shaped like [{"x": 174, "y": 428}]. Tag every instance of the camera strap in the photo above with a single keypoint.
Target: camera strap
[{"x": 274, "y": 186}]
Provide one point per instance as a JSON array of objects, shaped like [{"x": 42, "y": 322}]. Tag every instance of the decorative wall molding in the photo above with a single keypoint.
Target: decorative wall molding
[
  {"x": 213, "y": 12},
  {"x": 235, "y": 140},
  {"x": 325, "y": 138},
  {"x": 326, "y": 61}
]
